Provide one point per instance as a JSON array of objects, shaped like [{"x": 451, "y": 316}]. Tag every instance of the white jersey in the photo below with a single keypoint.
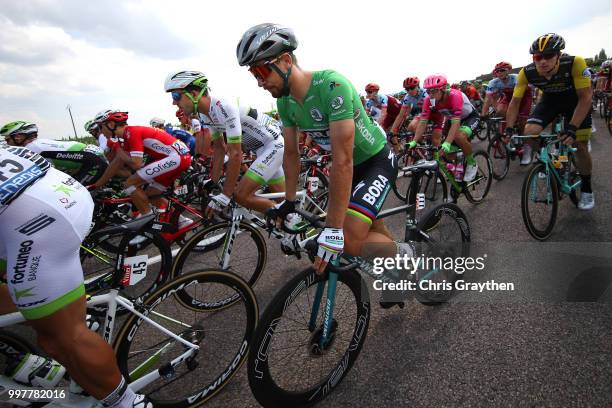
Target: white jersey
[
  {"x": 19, "y": 169},
  {"x": 240, "y": 125}
]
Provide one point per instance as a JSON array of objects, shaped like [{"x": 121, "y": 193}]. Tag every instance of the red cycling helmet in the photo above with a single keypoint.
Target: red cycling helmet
[
  {"x": 411, "y": 82},
  {"x": 111, "y": 115},
  {"x": 371, "y": 87},
  {"x": 502, "y": 66},
  {"x": 435, "y": 81}
]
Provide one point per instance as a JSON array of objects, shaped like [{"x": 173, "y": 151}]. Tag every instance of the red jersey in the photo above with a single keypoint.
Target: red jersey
[{"x": 156, "y": 143}]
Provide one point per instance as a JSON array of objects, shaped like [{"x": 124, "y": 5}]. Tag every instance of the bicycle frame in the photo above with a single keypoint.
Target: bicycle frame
[{"x": 112, "y": 300}]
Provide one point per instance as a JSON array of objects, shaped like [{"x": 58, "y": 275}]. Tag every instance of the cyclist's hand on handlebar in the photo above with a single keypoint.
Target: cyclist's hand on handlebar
[
  {"x": 412, "y": 144},
  {"x": 568, "y": 136},
  {"x": 446, "y": 146},
  {"x": 331, "y": 244}
]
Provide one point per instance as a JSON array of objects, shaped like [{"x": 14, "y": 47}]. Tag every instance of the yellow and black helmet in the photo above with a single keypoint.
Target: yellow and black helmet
[{"x": 547, "y": 44}]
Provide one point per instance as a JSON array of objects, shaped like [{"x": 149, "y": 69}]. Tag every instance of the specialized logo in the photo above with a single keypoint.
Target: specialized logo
[
  {"x": 62, "y": 188},
  {"x": 160, "y": 167},
  {"x": 23, "y": 258},
  {"x": 332, "y": 85},
  {"x": 70, "y": 156},
  {"x": 358, "y": 186},
  {"x": 316, "y": 114},
  {"x": 337, "y": 102},
  {"x": 35, "y": 224}
]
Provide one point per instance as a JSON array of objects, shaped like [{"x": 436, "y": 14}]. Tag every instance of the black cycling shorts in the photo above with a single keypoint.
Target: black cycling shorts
[
  {"x": 469, "y": 124},
  {"x": 372, "y": 181},
  {"x": 560, "y": 104}
]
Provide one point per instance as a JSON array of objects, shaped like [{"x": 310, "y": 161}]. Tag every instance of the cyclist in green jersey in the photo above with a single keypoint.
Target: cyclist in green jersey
[{"x": 325, "y": 106}]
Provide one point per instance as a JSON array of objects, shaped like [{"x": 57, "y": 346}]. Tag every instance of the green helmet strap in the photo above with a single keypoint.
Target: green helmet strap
[{"x": 196, "y": 99}]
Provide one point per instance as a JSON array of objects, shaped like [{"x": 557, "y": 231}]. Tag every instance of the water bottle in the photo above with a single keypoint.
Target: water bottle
[
  {"x": 459, "y": 169},
  {"x": 35, "y": 371}
]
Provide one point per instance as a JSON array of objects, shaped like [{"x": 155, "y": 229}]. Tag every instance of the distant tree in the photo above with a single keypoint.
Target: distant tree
[{"x": 602, "y": 55}]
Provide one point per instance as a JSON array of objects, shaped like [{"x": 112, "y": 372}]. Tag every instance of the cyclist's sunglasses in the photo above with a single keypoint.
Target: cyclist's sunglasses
[
  {"x": 412, "y": 88},
  {"x": 176, "y": 96},
  {"x": 546, "y": 56},
  {"x": 263, "y": 71},
  {"x": 433, "y": 91}
]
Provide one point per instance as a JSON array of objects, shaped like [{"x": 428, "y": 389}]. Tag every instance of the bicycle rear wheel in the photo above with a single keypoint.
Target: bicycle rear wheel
[
  {"x": 500, "y": 160},
  {"x": 445, "y": 233},
  {"x": 539, "y": 202},
  {"x": 283, "y": 368},
  {"x": 223, "y": 337},
  {"x": 477, "y": 189}
]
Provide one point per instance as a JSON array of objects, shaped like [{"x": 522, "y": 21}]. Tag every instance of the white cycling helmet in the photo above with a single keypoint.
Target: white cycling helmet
[
  {"x": 155, "y": 122},
  {"x": 182, "y": 79},
  {"x": 19, "y": 127},
  {"x": 606, "y": 63}
]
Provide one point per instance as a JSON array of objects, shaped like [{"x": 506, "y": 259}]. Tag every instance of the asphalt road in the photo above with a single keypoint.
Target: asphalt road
[{"x": 531, "y": 347}]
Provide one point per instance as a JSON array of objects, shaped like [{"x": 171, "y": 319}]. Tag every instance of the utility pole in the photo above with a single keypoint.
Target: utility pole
[{"x": 72, "y": 120}]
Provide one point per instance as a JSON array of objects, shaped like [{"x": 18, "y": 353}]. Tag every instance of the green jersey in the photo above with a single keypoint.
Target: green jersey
[{"x": 332, "y": 97}]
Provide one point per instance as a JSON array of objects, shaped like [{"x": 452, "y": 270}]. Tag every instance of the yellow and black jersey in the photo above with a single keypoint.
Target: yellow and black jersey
[{"x": 572, "y": 75}]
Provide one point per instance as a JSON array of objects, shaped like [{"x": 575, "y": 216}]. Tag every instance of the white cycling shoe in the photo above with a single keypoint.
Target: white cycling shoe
[
  {"x": 587, "y": 201},
  {"x": 526, "y": 159},
  {"x": 470, "y": 172}
]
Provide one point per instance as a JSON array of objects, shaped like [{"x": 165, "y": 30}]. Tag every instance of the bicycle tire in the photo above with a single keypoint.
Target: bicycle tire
[
  {"x": 13, "y": 347},
  {"x": 482, "y": 133},
  {"x": 434, "y": 223},
  {"x": 499, "y": 155},
  {"x": 436, "y": 192},
  {"x": 404, "y": 159},
  {"x": 261, "y": 368},
  {"x": 540, "y": 234},
  {"x": 158, "y": 252},
  {"x": 484, "y": 175},
  {"x": 199, "y": 389},
  {"x": 194, "y": 255}
]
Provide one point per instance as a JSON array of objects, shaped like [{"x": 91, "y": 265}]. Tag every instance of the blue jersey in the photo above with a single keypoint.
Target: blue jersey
[
  {"x": 416, "y": 102},
  {"x": 184, "y": 136},
  {"x": 496, "y": 85}
]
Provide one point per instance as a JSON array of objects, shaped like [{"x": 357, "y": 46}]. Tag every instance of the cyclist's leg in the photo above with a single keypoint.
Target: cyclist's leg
[
  {"x": 584, "y": 161},
  {"x": 45, "y": 279},
  {"x": 372, "y": 182},
  {"x": 266, "y": 169}
]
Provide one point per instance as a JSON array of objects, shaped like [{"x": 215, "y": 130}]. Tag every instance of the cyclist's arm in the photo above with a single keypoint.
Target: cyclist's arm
[
  {"x": 487, "y": 102},
  {"x": 517, "y": 96},
  {"x": 383, "y": 114},
  {"x": 403, "y": 113},
  {"x": 234, "y": 151},
  {"x": 342, "y": 136},
  {"x": 117, "y": 166},
  {"x": 582, "y": 83},
  {"x": 218, "y": 157},
  {"x": 291, "y": 161},
  {"x": 585, "y": 95}
]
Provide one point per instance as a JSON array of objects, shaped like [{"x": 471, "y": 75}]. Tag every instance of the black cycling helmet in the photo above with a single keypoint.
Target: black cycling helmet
[
  {"x": 263, "y": 42},
  {"x": 547, "y": 43}
]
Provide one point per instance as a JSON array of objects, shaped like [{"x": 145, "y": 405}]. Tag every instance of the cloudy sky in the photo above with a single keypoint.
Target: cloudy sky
[{"x": 94, "y": 55}]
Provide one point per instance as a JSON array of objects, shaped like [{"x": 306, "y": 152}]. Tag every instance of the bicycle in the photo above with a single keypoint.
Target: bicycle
[
  {"x": 213, "y": 246},
  {"x": 501, "y": 152},
  {"x": 305, "y": 326},
  {"x": 157, "y": 358},
  {"x": 553, "y": 176}
]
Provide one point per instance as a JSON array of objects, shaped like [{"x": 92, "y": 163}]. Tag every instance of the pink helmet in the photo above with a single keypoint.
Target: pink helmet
[{"x": 436, "y": 81}]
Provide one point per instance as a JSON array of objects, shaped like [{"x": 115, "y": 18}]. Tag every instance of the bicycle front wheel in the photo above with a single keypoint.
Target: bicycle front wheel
[
  {"x": 539, "y": 202},
  {"x": 285, "y": 368},
  {"x": 477, "y": 189},
  {"x": 500, "y": 160},
  {"x": 183, "y": 376}
]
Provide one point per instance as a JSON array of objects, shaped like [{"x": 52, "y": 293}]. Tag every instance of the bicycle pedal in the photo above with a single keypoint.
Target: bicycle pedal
[{"x": 389, "y": 305}]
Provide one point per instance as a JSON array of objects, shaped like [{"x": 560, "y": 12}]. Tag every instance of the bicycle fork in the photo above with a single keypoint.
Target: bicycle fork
[{"x": 327, "y": 333}]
